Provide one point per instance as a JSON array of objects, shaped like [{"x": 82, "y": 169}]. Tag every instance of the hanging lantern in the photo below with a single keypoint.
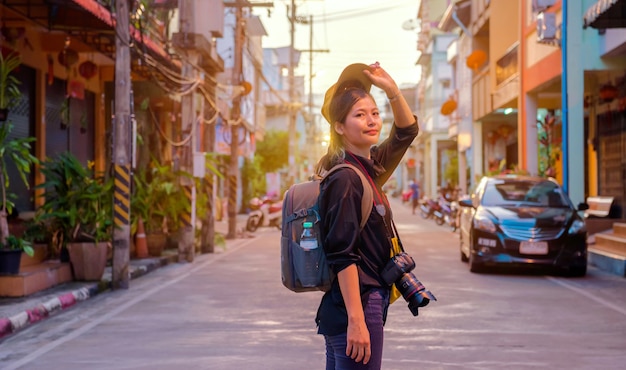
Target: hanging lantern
[
  {"x": 448, "y": 107},
  {"x": 247, "y": 87},
  {"x": 68, "y": 58},
  {"x": 13, "y": 34},
  {"x": 476, "y": 59},
  {"x": 87, "y": 69},
  {"x": 608, "y": 92}
]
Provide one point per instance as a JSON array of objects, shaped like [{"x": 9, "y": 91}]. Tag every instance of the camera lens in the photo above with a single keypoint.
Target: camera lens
[{"x": 414, "y": 292}]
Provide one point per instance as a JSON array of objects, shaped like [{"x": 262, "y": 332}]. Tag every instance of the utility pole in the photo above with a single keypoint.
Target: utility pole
[
  {"x": 312, "y": 124},
  {"x": 237, "y": 79},
  {"x": 122, "y": 126},
  {"x": 292, "y": 98},
  {"x": 233, "y": 169},
  {"x": 189, "y": 114}
]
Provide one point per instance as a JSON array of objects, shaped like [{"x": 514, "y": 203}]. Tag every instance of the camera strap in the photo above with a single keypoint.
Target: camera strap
[{"x": 381, "y": 208}]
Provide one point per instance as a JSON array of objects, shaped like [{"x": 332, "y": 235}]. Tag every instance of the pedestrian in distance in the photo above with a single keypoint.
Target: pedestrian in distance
[
  {"x": 352, "y": 313},
  {"x": 415, "y": 194}
]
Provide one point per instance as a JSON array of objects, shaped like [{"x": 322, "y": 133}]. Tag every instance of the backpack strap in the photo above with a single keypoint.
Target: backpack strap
[{"x": 367, "y": 202}]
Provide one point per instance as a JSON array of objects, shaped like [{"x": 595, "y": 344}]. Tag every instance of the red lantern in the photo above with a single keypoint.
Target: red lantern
[{"x": 87, "y": 69}]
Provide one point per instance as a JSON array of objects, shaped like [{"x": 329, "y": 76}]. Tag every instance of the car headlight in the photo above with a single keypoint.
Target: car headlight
[
  {"x": 484, "y": 223},
  {"x": 578, "y": 226}
]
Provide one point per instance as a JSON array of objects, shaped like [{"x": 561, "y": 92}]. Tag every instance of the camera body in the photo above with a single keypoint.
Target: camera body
[{"x": 398, "y": 272}]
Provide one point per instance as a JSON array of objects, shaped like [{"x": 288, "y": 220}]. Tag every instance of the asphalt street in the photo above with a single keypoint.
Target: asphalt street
[{"x": 229, "y": 310}]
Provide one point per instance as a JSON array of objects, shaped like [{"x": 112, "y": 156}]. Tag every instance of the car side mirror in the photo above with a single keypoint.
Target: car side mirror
[
  {"x": 466, "y": 203},
  {"x": 583, "y": 206}
]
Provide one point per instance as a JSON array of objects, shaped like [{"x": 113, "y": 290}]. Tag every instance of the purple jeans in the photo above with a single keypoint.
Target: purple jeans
[{"x": 336, "y": 358}]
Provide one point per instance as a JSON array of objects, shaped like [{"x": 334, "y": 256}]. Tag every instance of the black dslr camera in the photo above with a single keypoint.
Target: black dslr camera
[{"x": 398, "y": 271}]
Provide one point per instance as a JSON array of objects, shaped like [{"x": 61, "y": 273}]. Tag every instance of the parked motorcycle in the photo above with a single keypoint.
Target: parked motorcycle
[
  {"x": 450, "y": 214},
  {"x": 438, "y": 208},
  {"x": 264, "y": 212},
  {"x": 427, "y": 207}
]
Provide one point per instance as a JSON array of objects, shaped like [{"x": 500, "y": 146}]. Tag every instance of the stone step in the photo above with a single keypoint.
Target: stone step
[
  {"x": 607, "y": 261},
  {"x": 619, "y": 228},
  {"x": 41, "y": 254},
  {"x": 614, "y": 243},
  {"x": 35, "y": 278}
]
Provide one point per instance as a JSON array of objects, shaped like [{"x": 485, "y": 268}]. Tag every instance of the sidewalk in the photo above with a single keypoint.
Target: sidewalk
[{"x": 18, "y": 313}]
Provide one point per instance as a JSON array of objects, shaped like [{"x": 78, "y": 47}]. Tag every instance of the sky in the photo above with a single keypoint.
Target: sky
[{"x": 353, "y": 31}]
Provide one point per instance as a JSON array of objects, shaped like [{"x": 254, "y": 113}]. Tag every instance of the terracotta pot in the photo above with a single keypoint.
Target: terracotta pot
[
  {"x": 156, "y": 243},
  {"x": 88, "y": 260}
]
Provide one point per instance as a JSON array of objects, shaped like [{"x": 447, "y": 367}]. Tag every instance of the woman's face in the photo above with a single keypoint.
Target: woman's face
[{"x": 361, "y": 128}]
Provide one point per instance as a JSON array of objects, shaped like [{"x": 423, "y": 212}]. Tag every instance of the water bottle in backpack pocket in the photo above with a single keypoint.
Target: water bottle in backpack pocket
[{"x": 309, "y": 257}]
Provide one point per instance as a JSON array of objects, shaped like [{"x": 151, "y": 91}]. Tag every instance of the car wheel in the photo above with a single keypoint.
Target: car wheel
[
  {"x": 473, "y": 265},
  {"x": 463, "y": 256},
  {"x": 577, "y": 271}
]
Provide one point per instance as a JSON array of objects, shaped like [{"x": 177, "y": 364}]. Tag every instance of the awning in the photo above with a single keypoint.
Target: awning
[
  {"x": 104, "y": 15},
  {"x": 606, "y": 14}
]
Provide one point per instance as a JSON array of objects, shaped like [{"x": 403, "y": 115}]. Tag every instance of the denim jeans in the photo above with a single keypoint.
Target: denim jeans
[{"x": 336, "y": 358}]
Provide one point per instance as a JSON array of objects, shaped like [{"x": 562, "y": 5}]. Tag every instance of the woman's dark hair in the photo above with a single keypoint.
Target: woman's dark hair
[{"x": 346, "y": 96}]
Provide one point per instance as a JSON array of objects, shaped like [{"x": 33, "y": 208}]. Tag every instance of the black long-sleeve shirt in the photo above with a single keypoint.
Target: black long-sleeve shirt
[{"x": 340, "y": 211}]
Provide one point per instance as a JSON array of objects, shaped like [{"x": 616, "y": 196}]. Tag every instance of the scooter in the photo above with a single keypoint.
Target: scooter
[
  {"x": 427, "y": 206},
  {"x": 438, "y": 212},
  {"x": 450, "y": 214},
  {"x": 264, "y": 212}
]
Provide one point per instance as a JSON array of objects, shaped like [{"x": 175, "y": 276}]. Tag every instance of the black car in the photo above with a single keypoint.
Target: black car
[{"x": 522, "y": 220}]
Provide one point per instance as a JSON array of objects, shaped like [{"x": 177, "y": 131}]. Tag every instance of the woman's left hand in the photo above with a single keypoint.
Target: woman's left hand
[{"x": 381, "y": 79}]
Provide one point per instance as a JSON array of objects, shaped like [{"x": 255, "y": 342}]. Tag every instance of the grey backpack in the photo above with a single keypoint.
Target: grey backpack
[{"x": 300, "y": 205}]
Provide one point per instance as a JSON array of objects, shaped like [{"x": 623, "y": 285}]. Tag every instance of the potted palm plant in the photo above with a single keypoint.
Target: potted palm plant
[
  {"x": 158, "y": 200},
  {"x": 18, "y": 152},
  {"x": 78, "y": 210},
  {"x": 150, "y": 189},
  {"x": 9, "y": 90}
]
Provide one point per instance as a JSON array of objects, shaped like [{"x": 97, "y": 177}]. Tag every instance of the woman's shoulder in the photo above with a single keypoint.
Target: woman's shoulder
[{"x": 342, "y": 178}]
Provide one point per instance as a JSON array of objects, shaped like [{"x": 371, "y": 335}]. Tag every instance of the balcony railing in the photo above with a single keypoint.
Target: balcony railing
[{"x": 506, "y": 66}]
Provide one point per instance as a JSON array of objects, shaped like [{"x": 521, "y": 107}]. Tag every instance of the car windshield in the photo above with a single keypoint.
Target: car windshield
[{"x": 520, "y": 193}]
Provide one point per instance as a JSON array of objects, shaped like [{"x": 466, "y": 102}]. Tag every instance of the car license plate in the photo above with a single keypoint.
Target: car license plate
[{"x": 528, "y": 247}]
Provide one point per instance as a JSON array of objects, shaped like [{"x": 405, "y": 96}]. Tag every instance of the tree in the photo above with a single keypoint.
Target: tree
[
  {"x": 451, "y": 174},
  {"x": 272, "y": 151}
]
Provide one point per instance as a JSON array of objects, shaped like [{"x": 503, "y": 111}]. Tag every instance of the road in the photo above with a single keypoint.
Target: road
[{"x": 229, "y": 310}]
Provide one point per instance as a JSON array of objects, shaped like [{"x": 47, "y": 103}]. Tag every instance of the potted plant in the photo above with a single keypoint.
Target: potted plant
[
  {"x": 18, "y": 151},
  {"x": 9, "y": 91},
  {"x": 78, "y": 211},
  {"x": 147, "y": 197},
  {"x": 11, "y": 254},
  {"x": 158, "y": 200}
]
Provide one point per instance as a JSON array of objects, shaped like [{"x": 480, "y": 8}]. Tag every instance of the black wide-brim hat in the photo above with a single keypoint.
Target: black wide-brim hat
[{"x": 353, "y": 72}]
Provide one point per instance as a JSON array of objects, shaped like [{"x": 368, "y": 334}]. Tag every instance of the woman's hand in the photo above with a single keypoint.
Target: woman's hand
[
  {"x": 358, "y": 343},
  {"x": 402, "y": 113},
  {"x": 381, "y": 79},
  {"x": 358, "y": 339}
]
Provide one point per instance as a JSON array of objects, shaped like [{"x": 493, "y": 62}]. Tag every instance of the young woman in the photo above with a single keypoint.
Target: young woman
[{"x": 352, "y": 314}]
